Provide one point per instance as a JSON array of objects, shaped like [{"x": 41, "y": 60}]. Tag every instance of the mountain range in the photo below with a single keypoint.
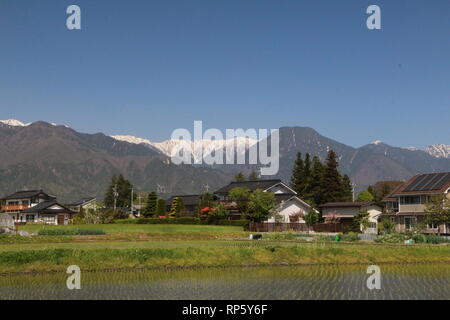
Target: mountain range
[{"x": 74, "y": 165}]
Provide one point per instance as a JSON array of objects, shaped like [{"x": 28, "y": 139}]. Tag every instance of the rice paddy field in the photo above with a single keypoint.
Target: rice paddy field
[
  {"x": 212, "y": 262},
  {"x": 260, "y": 283}
]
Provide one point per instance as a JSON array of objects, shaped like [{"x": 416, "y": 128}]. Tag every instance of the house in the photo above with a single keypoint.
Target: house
[
  {"x": 346, "y": 211},
  {"x": 406, "y": 205},
  {"x": 84, "y": 203},
  {"x": 290, "y": 206},
  {"x": 36, "y": 206}
]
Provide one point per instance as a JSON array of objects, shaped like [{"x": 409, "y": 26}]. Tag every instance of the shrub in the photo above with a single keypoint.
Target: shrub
[
  {"x": 391, "y": 238},
  {"x": 434, "y": 239},
  {"x": 181, "y": 220},
  {"x": 352, "y": 236}
]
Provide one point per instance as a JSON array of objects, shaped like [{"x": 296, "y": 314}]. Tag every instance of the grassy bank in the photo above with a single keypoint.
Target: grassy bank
[{"x": 192, "y": 255}]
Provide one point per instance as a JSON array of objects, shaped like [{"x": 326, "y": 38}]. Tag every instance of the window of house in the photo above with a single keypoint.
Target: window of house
[
  {"x": 372, "y": 225},
  {"x": 432, "y": 225},
  {"x": 30, "y": 217},
  {"x": 410, "y": 200}
]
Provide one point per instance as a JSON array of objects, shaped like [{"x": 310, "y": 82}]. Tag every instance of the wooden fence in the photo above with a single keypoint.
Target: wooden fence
[
  {"x": 295, "y": 227},
  {"x": 276, "y": 227}
]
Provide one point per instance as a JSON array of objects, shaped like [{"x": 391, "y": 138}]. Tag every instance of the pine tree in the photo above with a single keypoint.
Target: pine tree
[
  {"x": 122, "y": 187},
  {"x": 297, "y": 175},
  {"x": 253, "y": 176},
  {"x": 332, "y": 185},
  {"x": 347, "y": 189},
  {"x": 239, "y": 177},
  {"x": 150, "y": 207},
  {"x": 161, "y": 207},
  {"x": 315, "y": 194},
  {"x": 177, "y": 207},
  {"x": 306, "y": 177}
]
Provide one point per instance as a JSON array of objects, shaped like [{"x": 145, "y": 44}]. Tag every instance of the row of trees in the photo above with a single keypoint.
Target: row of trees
[
  {"x": 318, "y": 183},
  {"x": 240, "y": 177}
]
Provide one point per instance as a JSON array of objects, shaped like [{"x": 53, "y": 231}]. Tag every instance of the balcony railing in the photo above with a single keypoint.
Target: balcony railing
[{"x": 15, "y": 207}]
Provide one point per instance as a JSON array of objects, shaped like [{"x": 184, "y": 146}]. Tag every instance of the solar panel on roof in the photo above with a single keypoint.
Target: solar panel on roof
[
  {"x": 429, "y": 182},
  {"x": 445, "y": 179}
]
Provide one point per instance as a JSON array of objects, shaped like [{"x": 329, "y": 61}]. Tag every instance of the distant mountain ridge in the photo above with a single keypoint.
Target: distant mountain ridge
[{"x": 75, "y": 165}]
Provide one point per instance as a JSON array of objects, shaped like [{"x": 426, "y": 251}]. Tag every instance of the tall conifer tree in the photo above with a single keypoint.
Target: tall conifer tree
[
  {"x": 332, "y": 184},
  {"x": 297, "y": 175}
]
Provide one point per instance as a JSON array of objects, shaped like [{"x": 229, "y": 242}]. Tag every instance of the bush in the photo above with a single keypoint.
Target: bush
[
  {"x": 352, "y": 236},
  {"x": 184, "y": 220},
  {"x": 434, "y": 239},
  {"x": 391, "y": 238},
  {"x": 69, "y": 232}
]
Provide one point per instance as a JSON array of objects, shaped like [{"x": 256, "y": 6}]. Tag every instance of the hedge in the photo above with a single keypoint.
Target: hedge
[{"x": 182, "y": 220}]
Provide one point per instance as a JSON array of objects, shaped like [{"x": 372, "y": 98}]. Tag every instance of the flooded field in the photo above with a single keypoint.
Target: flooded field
[{"x": 304, "y": 282}]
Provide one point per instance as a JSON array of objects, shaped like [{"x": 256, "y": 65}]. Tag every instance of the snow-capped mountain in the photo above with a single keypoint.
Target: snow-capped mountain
[
  {"x": 170, "y": 147},
  {"x": 439, "y": 150},
  {"x": 14, "y": 123}
]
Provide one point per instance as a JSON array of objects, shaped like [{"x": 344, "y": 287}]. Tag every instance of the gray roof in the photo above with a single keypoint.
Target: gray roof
[
  {"x": 188, "y": 200},
  {"x": 345, "y": 204},
  {"x": 27, "y": 194},
  {"x": 251, "y": 185},
  {"x": 81, "y": 202},
  {"x": 43, "y": 207}
]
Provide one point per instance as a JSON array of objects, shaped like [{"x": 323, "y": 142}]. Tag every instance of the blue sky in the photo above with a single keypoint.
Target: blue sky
[{"x": 148, "y": 67}]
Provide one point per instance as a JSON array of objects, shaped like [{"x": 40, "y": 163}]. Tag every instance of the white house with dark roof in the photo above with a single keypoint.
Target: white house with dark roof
[
  {"x": 291, "y": 207},
  {"x": 35, "y": 206}
]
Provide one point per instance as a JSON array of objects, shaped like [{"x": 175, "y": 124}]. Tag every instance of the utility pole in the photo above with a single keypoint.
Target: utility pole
[
  {"x": 131, "y": 209},
  {"x": 115, "y": 196},
  {"x": 353, "y": 191}
]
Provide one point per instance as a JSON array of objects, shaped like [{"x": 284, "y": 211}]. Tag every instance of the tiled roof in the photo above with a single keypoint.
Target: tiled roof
[
  {"x": 251, "y": 185},
  {"x": 43, "y": 207},
  {"x": 26, "y": 194},
  {"x": 345, "y": 204}
]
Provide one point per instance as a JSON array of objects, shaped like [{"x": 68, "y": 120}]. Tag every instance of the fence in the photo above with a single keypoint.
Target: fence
[
  {"x": 276, "y": 227},
  {"x": 296, "y": 227}
]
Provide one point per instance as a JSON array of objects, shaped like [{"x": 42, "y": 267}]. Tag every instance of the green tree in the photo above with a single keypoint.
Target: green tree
[
  {"x": 241, "y": 195},
  {"x": 177, "y": 207},
  {"x": 360, "y": 222},
  {"x": 297, "y": 175},
  {"x": 206, "y": 200},
  {"x": 347, "y": 189},
  {"x": 150, "y": 207},
  {"x": 386, "y": 226},
  {"x": 239, "y": 177},
  {"x": 315, "y": 192},
  {"x": 121, "y": 187},
  {"x": 161, "y": 207},
  {"x": 260, "y": 205},
  {"x": 332, "y": 185},
  {"x": 253, "y": 176},
  {"x": 365, "y": 196},
  {"x": 219, "y": 212},
  {"x": 437, "y": 210},
  {"x": 311, "y": 218}
]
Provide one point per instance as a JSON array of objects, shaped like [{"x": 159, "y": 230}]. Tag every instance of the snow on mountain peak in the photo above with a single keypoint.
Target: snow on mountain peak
[
  {"x": 198, "y": 147},
  {"x": 439, "y": 150},
  {"x": 14, "y": 123},
  {"x": 376, "y": 142}
]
